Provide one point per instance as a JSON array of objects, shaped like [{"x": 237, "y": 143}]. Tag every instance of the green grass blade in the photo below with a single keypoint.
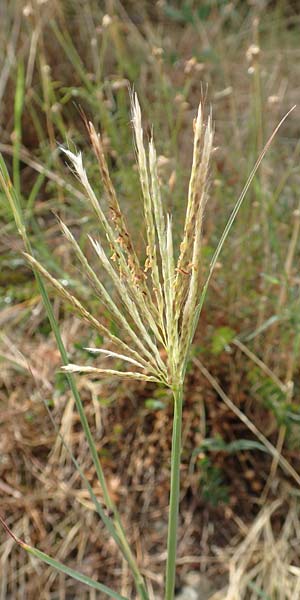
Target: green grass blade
[
  {"x": 67, "y": 45},
  {"x": 52, "y": 562},
  {"x": 72, "y": 573},
  {"x": 12, "y": 197},
  {"x": 34, "y": 192},
  {"x": 18, "y": 111}
]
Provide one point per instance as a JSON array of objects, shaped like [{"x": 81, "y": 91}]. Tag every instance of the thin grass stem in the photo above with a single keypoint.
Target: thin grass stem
[
  {"x": 18, "y": 111},
  {"x": 174, "y": 493}
]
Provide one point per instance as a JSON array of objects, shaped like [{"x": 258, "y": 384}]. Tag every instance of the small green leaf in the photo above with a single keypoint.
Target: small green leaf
[{"x": 72, "y": 573}]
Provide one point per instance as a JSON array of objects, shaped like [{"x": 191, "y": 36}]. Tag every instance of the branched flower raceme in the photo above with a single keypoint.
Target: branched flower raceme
[{"x": 155, "y": 303}]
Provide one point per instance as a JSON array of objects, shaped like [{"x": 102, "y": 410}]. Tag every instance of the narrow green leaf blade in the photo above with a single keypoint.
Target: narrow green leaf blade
[
  {"x": 52, "y": 562},
  {"x": 18, "y": 111}
]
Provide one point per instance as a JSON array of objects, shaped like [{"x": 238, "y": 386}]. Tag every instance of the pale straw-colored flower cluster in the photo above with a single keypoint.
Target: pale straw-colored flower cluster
[{"x": 155, "y": 304}]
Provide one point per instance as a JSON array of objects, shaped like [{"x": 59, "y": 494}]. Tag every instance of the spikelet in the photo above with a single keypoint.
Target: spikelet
[
  {"x": 115, "y": 355},
  {"x": 195, "y": 222},
  {"x": 160, "y": 221},
  {"x": 117, "y": 217},
  {"x": 172, "y": 325},
  {"x": 202, "y": 141},
  {"x": 160, "y": 224},
  {"x": 151, "y": 262},
  {"x": 72, "y": 368},
  {"x": 116, "y": 246}
]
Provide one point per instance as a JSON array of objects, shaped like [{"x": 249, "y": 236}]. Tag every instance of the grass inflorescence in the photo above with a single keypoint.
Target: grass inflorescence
[{"x": 156, "y": 300}]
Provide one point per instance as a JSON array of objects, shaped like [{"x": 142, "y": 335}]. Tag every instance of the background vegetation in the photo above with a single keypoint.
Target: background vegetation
[{"x": 61, "y": 58}]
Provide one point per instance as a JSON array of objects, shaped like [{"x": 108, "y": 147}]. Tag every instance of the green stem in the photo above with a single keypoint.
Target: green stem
[
  {"x": 18, "y": 111},
  {"x": 174, "y": 493}
]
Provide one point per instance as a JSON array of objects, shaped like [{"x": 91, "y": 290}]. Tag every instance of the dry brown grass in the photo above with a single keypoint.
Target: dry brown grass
[{"x": 45, "y": 503}]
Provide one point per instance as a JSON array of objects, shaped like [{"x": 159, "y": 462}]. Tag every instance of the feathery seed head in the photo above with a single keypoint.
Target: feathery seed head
[{"x": 156, "y": 315}]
